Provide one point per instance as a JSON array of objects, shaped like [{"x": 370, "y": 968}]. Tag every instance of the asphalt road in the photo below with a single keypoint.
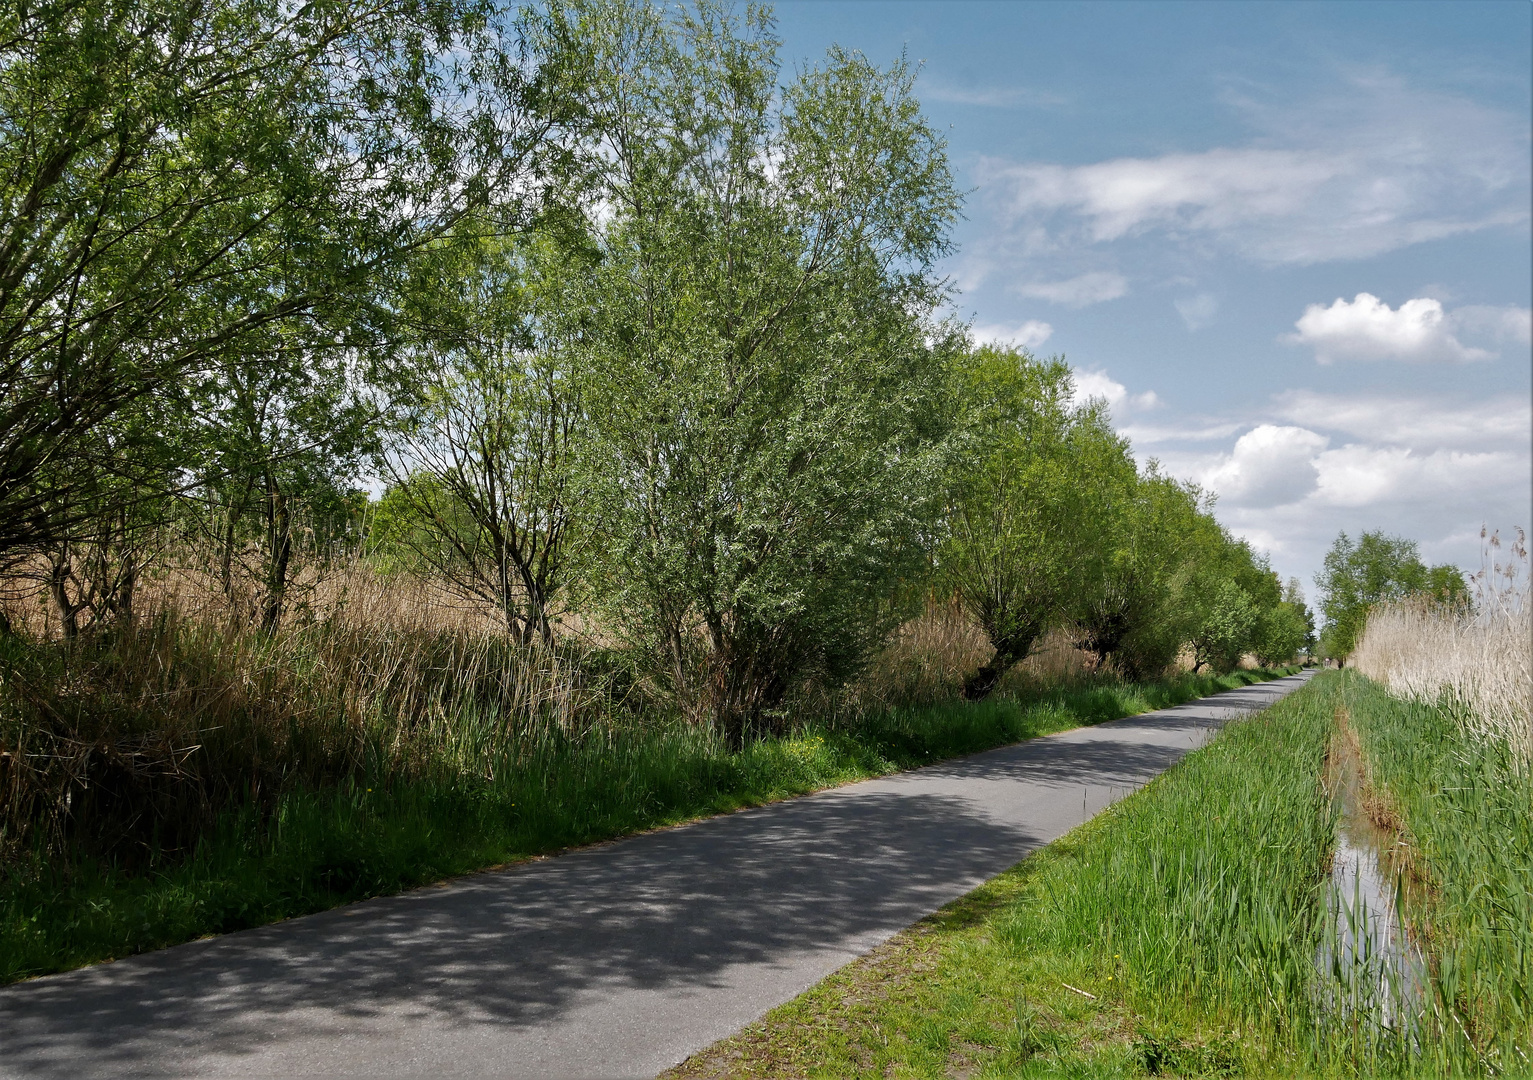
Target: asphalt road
[{"x": 614, "y": 961}]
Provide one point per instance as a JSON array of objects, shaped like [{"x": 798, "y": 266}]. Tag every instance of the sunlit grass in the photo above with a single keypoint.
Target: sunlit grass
[{"x": 1466, "y": 809}]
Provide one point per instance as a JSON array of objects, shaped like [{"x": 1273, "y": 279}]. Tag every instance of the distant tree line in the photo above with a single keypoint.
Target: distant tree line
[{"x": 629, "y": 321}]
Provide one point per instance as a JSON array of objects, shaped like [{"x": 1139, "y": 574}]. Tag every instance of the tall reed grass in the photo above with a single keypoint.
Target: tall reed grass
[
  {"x": 1204, "y": 889},
  {"x": 187, "y": 773},
  {"x": 127, "y": 742},
  {"x": 1447, "y": 730},
  {"x": 1480, "y": 657}
]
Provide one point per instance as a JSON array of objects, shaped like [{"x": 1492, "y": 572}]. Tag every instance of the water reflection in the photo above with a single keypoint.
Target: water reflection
[{"x": 1371, "y": 968}]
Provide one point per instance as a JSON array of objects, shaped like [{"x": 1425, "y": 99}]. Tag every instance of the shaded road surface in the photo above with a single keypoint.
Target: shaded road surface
[{"x": 617, "y": 960}]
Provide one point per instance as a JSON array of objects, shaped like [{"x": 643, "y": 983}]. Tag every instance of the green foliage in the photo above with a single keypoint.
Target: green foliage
[
  {"x": 1131, "y": 619},
  {"x": 1225, "y": 596},
  {"x": 1225, "y": 629},
  {"x": 1032, "y": 490},
  {"x": 193, "y": 186},
  {"x": 1375, "y": 568},
  {"x": 405, "y": 532},
  {"x": 763, "y": 375},
  {"x": 1281, "y": 632},
  {"x": 485, "y": 420}
]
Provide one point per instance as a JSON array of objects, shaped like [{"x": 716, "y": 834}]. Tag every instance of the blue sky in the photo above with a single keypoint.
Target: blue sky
[{"x": 1290, "y": 242}]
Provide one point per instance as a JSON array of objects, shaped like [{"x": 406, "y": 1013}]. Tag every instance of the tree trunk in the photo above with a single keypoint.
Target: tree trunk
[
  {"x": 279, "y": 535},
  {"x": 1008, "y": 653},
  {"x": 58, "y": 585}
]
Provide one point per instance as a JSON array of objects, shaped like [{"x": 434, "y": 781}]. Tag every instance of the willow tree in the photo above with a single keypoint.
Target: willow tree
[
  {"x": 1031, "y": 493},
  {"x": 1126, "y": 616},
  {"x": 486, "y": 429},
  {"x": 183, "y": 182},
  {"x": 765, "y": 381}
]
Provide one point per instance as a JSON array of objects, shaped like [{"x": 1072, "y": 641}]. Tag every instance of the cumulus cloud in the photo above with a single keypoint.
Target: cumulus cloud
[
  {"x": 1269, "y": 466},
  {"x": 1092, "y": 288},
  {"x": 1360, "y": 475},
  {"x": 1418, "y": 466},
  {"x": 1028, "y": 335},
  {"x": 1099, "y": 384},
  {"x": 1197, "y": 311},
  {"x": 1367, "y": 168},
  {"x": 1366, "y": 328}
]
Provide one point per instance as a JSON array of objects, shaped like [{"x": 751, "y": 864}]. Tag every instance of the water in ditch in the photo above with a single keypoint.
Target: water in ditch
[{"x": 1371, "y": 969}]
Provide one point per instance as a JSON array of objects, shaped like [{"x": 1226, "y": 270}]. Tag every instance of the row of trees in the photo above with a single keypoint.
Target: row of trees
[{"x": 626, "y": 325}]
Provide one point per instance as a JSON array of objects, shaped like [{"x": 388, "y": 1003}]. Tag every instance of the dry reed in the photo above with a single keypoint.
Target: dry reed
[
  {"x": 1482, "y": 657},
  {"x": 927, "y": 660},
  {"x": 136, "y": 736}
]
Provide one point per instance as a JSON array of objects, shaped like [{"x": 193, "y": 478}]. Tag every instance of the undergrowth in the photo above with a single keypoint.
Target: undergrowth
[{"x": 381, "y": 828}]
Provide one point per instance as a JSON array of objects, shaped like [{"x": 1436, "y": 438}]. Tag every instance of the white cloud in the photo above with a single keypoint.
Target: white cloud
[
  {"x": 1421, "y": 424},
  {"x": 1029, "y": 335},
  {"x": 995, "y": 97},
  {"x": 1092, "y": 288},
  {"x": 1366, "y": 328},
  {"x": 1513, "y": 324},
  {"x": 1214, "y": 189},
  {"x": 1269, "y": 466},
  {"x": 1153, "y": 434},
  {"x": 1359, "y": 475},
  {"x": 1198, "y": 311},
  {"x": 1416, "y": 466},
  {"x": 1291, "y": 502},
  {"x": 1357, "y": 171},
  {"x": 1099, "y": 384}
]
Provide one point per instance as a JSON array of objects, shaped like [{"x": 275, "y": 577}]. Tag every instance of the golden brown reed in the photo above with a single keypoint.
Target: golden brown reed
[
  {"x": 140, "y": 731},
  {"x": 928, "y": 658},
  {"x": 1481, "y": 657},
  {"x": 148, "y": 727}
]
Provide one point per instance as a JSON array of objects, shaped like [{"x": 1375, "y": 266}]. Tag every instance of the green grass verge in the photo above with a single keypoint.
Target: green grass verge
[
  {"x": 1173, "y": 934},
  {"x": 318, "y": 849},
  {"x": 1464, "y": 809}
]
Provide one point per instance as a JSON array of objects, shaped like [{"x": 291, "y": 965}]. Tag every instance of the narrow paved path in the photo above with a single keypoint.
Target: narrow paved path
[{"x": 613, "y": 961}]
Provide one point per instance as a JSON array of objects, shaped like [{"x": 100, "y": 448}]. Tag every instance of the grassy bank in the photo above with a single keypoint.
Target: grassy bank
[
  {"x": 384, "y": 828},
  {"x": 1463, "y": 806}
]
